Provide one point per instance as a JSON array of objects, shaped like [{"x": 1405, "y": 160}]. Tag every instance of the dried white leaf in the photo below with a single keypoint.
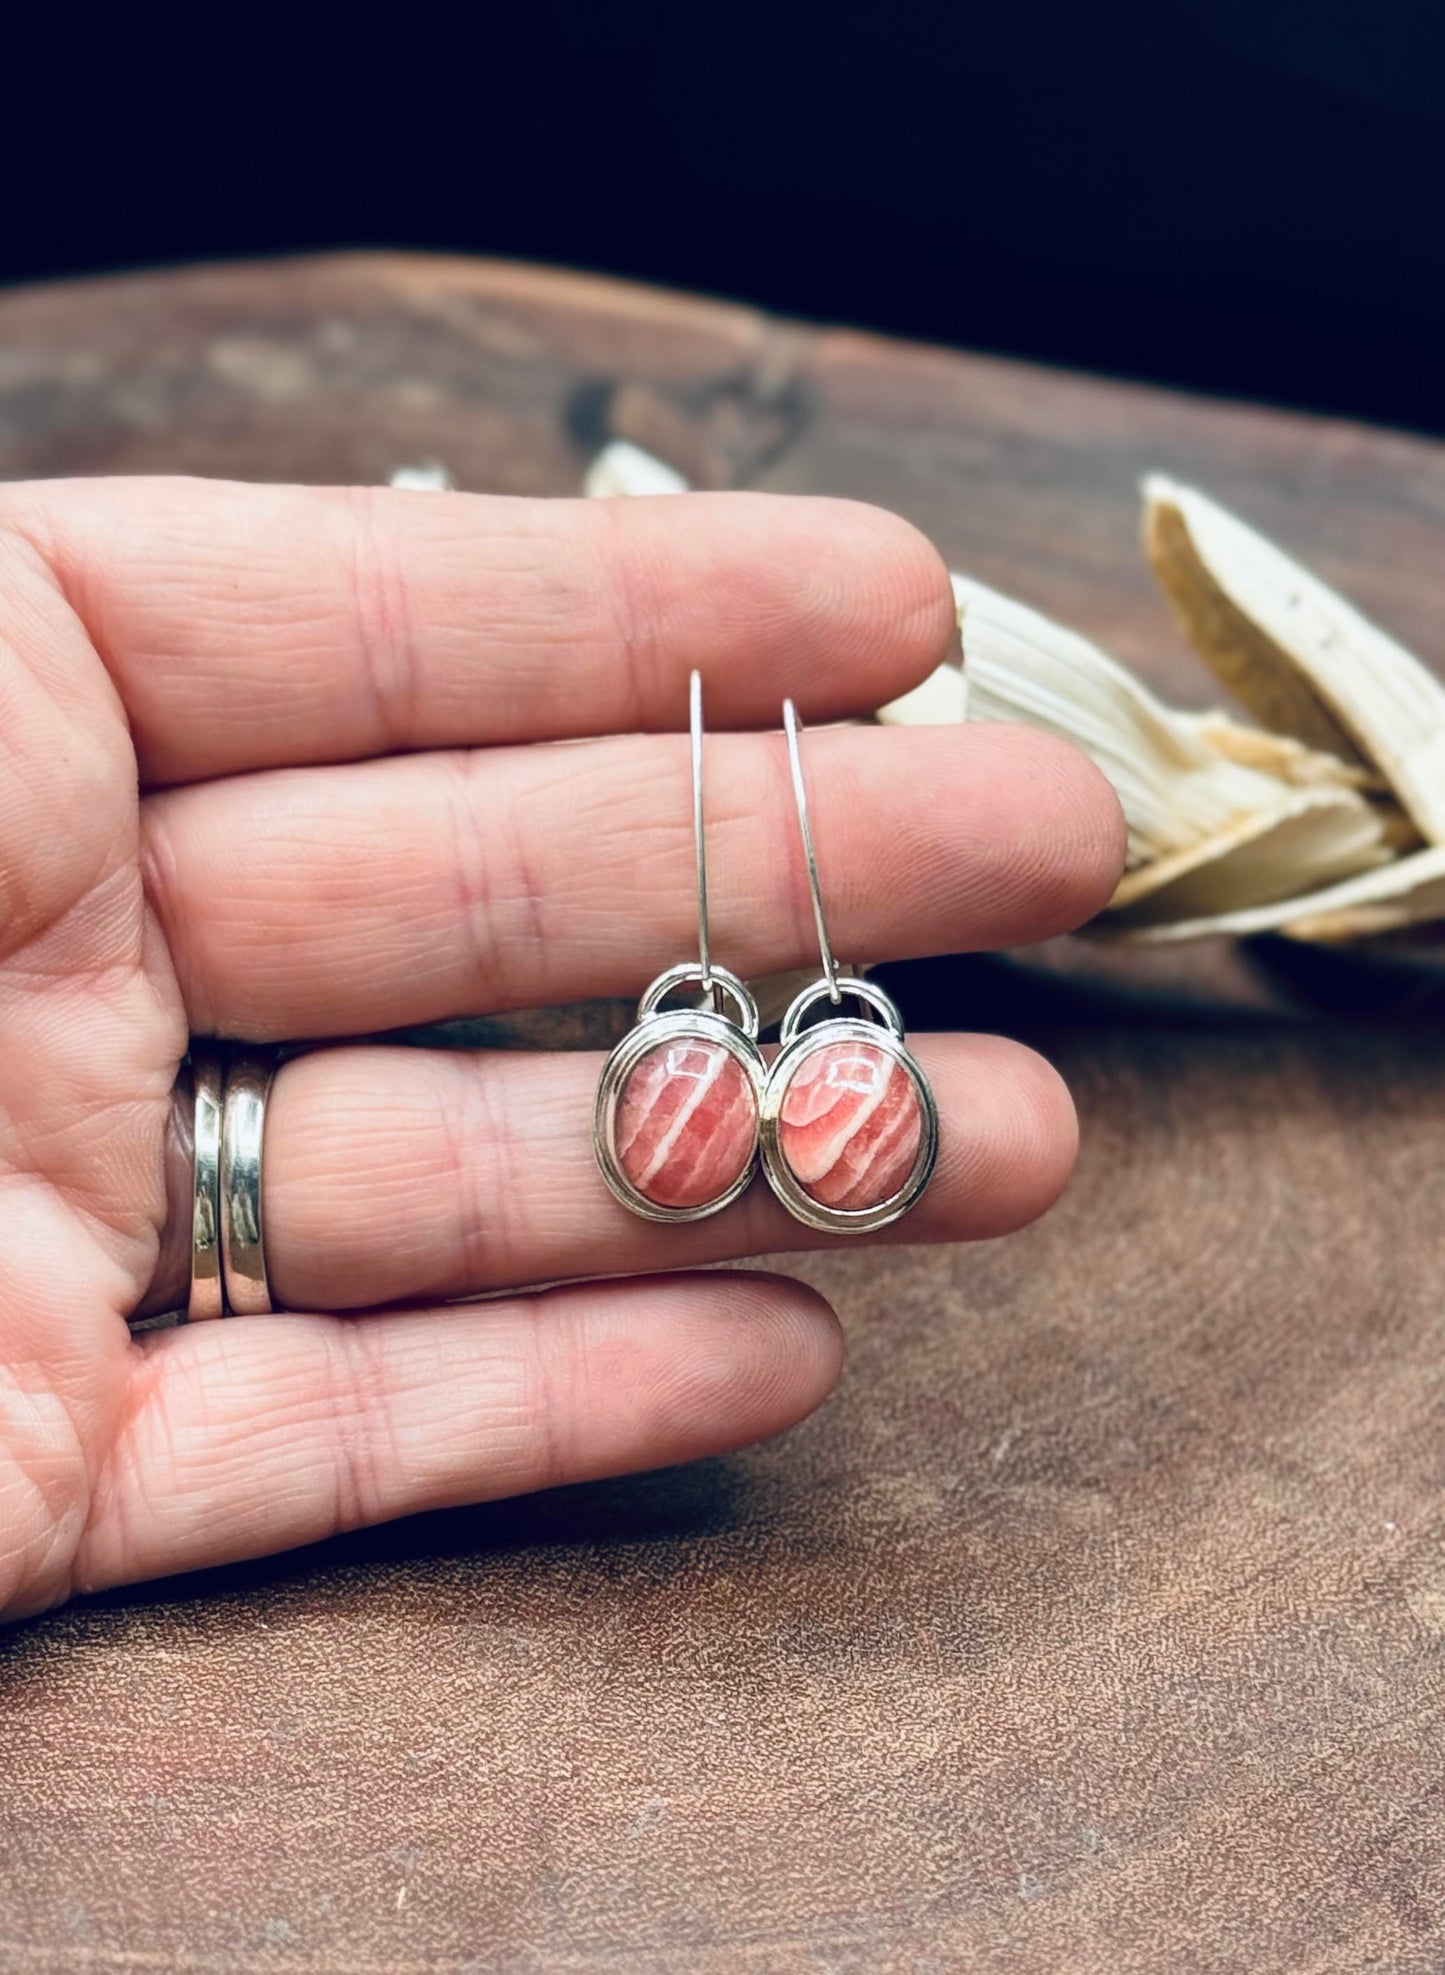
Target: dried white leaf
[
  {"x": 427, "y": 477},
  {"x": 1276, "y": 754},
  {"x": 941, "y": 701},
  {"x": 1408, "y": 892},
  {"x": 622, "y": 468},
  {"x": 1258, "y": 861},
  {"x": 1302, "y": 659},
  {"x": 1188, "y": 805}
]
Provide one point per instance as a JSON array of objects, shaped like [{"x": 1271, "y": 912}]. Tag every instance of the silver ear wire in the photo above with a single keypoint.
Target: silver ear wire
[
  {"x": 694, "y": 709},
  {"x": 800, "y": 799}
]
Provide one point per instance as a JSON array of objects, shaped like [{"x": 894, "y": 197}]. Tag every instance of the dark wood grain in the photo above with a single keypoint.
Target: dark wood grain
[{"x": 1099, "y": 1623}]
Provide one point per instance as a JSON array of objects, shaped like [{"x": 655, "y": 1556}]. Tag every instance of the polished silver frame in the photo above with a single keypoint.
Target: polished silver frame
[
  {"x": 243, "y": 1137},
  {"x": 658, "y": 1025},
  {"x": 207, "y": 1298},
  {"x": 798, "y": 1044}
]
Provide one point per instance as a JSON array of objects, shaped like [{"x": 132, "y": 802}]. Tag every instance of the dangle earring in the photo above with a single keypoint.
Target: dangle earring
[
  {"x": 850, "y": 1129},
  {"x": 676, "y": 1123}
]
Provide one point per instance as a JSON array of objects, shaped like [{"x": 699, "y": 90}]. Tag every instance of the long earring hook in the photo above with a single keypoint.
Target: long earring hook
[
  {"x": 695, "y": 724},
  {"x": 800, "y": 797}
]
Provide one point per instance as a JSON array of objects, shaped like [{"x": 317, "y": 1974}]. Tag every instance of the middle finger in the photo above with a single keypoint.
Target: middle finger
[{"x": 335, "y": 901}]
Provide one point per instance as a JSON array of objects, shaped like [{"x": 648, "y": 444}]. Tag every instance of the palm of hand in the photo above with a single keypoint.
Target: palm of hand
[
  {"x": 220, "y": 814},
  {"x": 94, "y": 1030}
]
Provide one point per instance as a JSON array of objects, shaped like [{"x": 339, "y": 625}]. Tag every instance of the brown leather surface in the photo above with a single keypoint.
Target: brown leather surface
[{"x": 1099, "y": 1623}]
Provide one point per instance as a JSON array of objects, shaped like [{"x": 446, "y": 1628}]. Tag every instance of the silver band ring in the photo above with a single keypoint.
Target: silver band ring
[
  {"x": 207, "y": 1298},
  {"x": 243, "y": 1131}
]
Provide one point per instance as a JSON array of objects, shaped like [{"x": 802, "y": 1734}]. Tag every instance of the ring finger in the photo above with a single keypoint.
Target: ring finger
[{"x": 399, "y": 1174}]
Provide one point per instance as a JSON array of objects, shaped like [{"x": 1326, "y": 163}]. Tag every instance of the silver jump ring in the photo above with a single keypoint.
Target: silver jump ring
[
  {"x": 721, "y": 981},
  {"x": 207, "y": 1298},
  {"x": 694, "y": 724},
  {"x": 849, "y": 986},
  {"x": 243, "y": 1131}
]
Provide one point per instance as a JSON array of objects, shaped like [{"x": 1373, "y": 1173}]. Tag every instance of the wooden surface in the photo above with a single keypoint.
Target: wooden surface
[{"x": 1099, "y": 1623}]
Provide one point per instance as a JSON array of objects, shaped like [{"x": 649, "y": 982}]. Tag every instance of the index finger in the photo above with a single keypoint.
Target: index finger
[{"x": 253, "y": 627}]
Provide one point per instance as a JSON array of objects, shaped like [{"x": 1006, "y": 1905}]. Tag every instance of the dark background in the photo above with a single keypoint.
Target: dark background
[{"x": 1242, "y": 198}]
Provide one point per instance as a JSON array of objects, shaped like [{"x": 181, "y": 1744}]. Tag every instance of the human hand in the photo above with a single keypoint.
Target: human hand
[{"x": 278, "y": 763}]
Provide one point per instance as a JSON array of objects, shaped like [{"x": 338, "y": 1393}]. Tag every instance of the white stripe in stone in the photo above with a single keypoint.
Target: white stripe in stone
[
  {"x": 718, "y": 1058},
  {"x": 844, "y": 1136}
]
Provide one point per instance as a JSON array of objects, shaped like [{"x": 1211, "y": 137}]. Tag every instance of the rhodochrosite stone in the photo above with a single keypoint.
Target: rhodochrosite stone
[
  {"x": 687, "y": 1122},
  {"x": 849, "y": 1124}
]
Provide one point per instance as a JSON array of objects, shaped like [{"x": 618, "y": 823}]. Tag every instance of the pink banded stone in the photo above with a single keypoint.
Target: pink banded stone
[
  {"x": 849, "y": 1125},
  {"x": 687, "y": 1122}
]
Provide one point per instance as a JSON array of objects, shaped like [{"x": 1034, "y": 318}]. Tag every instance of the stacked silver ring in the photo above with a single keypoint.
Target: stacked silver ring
[{"x": 228, "y": 1247}]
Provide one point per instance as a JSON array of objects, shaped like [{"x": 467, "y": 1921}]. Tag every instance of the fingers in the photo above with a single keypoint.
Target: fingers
[
  {"x": 356, "y": 899},
  {"x": 247, "y": 1437},
  {"x": 398, "y": 1175},
  {"x": 248, "y": 627}
]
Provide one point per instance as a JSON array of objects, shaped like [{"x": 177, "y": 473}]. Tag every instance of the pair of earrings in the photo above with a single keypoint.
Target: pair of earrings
[{"x": 843, "y": 1118}]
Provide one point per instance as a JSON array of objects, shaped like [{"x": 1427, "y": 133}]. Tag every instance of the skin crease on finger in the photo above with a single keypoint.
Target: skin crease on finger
[{"x": 162, "y": 633}]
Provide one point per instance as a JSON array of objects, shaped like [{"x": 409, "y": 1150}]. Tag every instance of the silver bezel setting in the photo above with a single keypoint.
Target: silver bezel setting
[
  {"x": 797, "y": 1045},
  {"x": 655, "y": 1026}
]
